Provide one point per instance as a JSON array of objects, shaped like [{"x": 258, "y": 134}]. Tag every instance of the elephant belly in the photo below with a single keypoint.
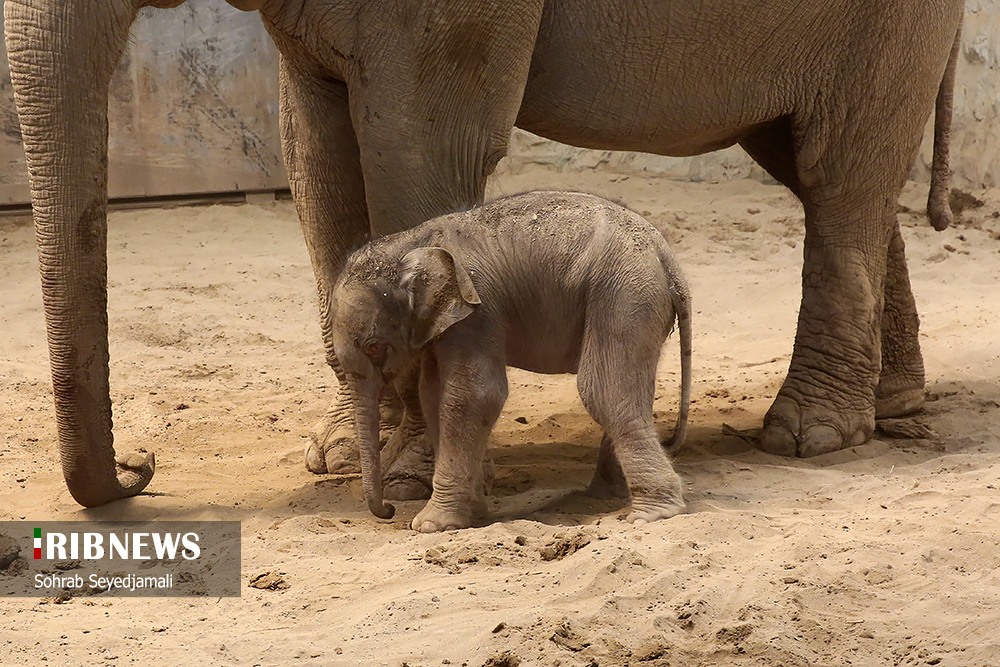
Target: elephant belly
[
  {"x": 547, "y": 345},
  {"x": 673, "y": 82}
]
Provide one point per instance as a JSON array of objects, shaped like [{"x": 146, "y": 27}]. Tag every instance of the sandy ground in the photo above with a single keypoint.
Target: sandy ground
[{"x": 885, "y": 554}]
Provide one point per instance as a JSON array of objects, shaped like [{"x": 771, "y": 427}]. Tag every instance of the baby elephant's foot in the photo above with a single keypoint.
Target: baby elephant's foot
[
  {"x": 657, "y": 503},
  {"x": 433, "y": 519},
  {"x": 898, "y": 401},
  {"x": 645, "y": 512}
]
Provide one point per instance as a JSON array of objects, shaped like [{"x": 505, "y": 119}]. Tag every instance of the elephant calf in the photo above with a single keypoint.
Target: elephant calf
[{"x": 550, "y": 282}]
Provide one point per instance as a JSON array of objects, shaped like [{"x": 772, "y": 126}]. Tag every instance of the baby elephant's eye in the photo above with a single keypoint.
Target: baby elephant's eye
[{"x": 375, "y": 349}]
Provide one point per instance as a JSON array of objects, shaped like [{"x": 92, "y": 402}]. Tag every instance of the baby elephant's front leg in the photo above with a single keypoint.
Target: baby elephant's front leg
[{"x": 462, "y": 401}]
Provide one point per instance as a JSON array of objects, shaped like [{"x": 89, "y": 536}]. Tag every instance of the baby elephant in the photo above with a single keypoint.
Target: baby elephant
[{"x": 551, "y": 282}]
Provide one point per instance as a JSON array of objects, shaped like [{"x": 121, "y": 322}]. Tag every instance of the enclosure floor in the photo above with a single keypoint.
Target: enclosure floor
[{"x": 884, "y": 554}]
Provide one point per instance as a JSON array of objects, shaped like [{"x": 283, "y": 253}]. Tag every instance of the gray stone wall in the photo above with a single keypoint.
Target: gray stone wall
[{"x": 975, "y": 149}]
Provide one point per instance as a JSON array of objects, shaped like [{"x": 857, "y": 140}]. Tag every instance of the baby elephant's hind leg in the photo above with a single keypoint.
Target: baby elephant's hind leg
[
  {"x": 609, "y": 480},
  {"x": 616, "y": 380}
]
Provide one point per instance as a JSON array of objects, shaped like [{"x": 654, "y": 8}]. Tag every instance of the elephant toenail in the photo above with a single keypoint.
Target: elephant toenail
[
  {"x": 820, "y": 439},
  {"x": 859, "y": 438},
  {"x": 338, "y": 466},
  {"x": 777, "y": 440},
  {"x": 315, "y": 461}
]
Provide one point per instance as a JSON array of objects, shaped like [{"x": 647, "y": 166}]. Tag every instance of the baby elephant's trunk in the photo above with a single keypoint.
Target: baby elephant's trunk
[{"x": 366, "y": 425}]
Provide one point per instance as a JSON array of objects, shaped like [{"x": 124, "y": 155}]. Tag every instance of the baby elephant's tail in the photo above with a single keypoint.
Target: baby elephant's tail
[
  {"x": 682, "y": 311},
  {"x": 684, "y": 326}
]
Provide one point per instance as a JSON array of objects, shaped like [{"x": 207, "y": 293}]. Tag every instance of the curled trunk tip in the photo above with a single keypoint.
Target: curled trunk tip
[
  {"x": 131, "y": 474},
  {"x": 381, "y": 509}
]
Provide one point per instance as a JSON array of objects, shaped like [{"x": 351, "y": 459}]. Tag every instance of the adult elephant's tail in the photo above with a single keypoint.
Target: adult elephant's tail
[
  {"x": 62, "y": 54},
  {"x": 938, "y": 208}
]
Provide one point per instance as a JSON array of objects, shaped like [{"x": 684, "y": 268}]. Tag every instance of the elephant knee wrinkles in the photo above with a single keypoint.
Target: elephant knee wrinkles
[
  {"x": 483, "y": 402},
  {"x": 626, "y": 420}
]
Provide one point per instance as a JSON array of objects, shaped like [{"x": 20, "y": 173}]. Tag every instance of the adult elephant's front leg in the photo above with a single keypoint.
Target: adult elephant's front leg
[
  {"x": 324, "y": 171},
  {"x": 431, "y": 122},
  {"x": 434, "y": 119},
  {"x": 827, "y": 401}
]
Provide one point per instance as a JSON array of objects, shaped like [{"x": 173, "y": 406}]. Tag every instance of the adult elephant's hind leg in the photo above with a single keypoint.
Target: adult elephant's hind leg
[
  {"x": 827, "y": 401},
  {"x": 854, "y": 147},
  {"x": 900, "y": 389}
]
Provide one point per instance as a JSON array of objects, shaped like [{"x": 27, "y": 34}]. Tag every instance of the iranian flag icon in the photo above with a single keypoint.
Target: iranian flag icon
[{"x": 38, "y": 543}]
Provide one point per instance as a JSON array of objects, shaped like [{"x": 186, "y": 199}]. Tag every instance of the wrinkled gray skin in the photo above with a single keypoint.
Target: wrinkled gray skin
[
  {"x": 395, "y": 111},
  {"x": 550, "y": 282}
]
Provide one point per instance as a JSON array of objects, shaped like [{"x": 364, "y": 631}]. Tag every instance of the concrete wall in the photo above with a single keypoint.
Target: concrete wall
[
  {"x": 975, "y": 149},
  {"x": 194, "y": 109},
  {"x": 194, "y": 104}
]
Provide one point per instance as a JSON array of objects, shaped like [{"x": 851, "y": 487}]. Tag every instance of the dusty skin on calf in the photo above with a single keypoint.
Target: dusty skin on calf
[{"x": 550, "y": 282}]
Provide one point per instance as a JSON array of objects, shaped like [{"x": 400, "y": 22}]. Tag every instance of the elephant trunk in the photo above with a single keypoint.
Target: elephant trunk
[
  {"x": 366, "y": 418},
  {"x": 62, "y": 55}
]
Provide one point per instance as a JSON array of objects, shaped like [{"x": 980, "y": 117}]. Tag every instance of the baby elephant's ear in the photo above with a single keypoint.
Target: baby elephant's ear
[{"x": 440, "y": 290}]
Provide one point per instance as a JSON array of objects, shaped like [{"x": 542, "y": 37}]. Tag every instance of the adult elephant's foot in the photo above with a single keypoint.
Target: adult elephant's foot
[
  {"x": 408, "y": 466},
  {"x": 333, "y": 445},
  {"x": 827, "y": 402},
  {"x": 806, "y": 428},
  {"x": 900, "y": 389},
  {"x": 408, "y": 463},
  {"x": 896, "y": 401}
]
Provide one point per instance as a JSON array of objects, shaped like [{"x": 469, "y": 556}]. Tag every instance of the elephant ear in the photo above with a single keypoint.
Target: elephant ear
[{"x": 441, "y": 292}]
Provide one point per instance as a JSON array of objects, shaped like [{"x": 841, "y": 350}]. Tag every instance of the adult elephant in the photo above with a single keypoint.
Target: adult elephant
[{"x": 395, "y": 111}]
